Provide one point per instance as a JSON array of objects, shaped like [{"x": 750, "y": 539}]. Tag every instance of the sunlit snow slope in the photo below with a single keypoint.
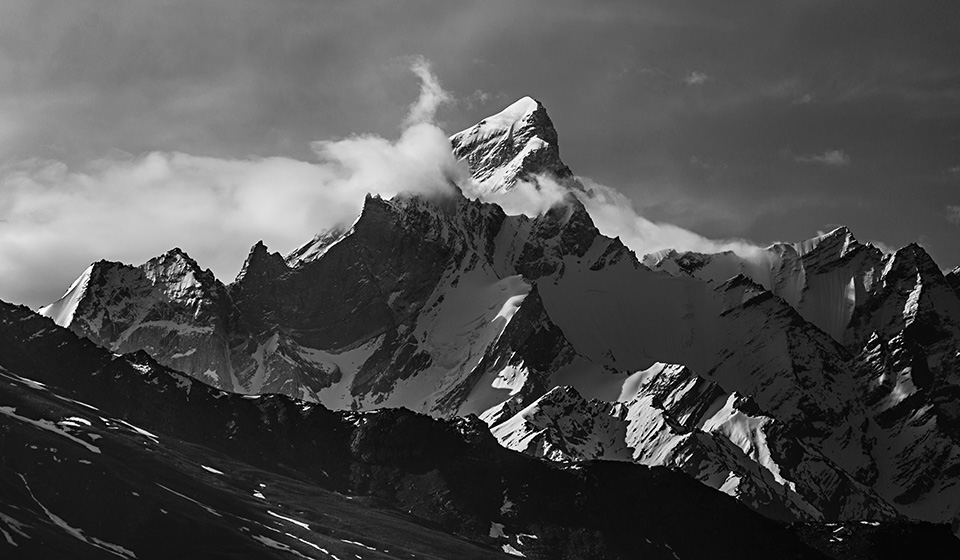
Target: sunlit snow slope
[{"x": 816, "y": 380}]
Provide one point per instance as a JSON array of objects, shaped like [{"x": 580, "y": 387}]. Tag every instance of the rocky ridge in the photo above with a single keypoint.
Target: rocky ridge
[
  {"x": 831, "y": 366},
  {"x": 107, "y": 456}
]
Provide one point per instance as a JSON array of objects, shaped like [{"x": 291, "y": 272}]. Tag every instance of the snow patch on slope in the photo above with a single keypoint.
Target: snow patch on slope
[
  {"x": 338, "y": 395},
  {"x": 63, "y": 310}
]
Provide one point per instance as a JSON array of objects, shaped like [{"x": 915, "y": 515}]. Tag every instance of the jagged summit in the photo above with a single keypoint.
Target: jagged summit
[
  {"x": 175, "y": 270},
  {"x": 516, "y": 144},
  {"x": 911, "y": 259},
  {"x": 178, "y": 253},
  {"x": 260, "y": 261},
  {"x": 838, "y": 242}
]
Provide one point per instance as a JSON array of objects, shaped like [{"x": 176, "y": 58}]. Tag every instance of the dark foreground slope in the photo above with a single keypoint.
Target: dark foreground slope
[{"x": 105, "y": 456}]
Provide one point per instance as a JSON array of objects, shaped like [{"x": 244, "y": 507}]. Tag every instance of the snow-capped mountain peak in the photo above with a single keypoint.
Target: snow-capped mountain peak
[
  {"x": 523, "y": 109},
  {"x": 840, "y": 237},
  {"x": 792, "y": 374},
  {"x": 513, "y": 145},
  {"x": 180, "y": 275}
]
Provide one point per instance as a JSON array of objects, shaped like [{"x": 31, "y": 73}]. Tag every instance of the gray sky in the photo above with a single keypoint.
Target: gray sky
[{"x": 758, "y": 120}]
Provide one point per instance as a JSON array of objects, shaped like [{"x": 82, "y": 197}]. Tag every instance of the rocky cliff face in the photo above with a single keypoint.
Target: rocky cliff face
[
  {"x": 167, "y": 306},
  {"x": 817, "y": 380}
]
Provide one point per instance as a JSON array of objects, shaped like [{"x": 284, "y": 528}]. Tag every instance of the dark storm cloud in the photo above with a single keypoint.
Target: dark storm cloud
[{"x": 81, "y": 79}]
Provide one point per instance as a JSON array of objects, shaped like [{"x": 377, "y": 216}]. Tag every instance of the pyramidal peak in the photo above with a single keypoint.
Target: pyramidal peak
[
  {"x": 911, "y": 259},
  {"x": 513, "y": 145},
  {"x": 174, "y": 262},
  {"x": 522, "y": 110}
]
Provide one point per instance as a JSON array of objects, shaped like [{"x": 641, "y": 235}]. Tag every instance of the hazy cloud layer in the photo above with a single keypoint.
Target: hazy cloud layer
[
  {"x": 834, "y": 158},
  {"x": 57, "y": 220},
  {"x": 613, "y": 214}
]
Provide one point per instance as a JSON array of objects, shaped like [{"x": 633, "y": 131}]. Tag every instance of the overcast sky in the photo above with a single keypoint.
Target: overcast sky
[{"x": 758, "y": 120}]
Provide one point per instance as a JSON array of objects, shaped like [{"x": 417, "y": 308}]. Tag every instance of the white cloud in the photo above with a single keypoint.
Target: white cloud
[
  {"x": 432, "y": 94},
  {"x": 613, "y": 214},
  {"x": 530, "y": 197},
  {"x": 834, "y": 158},
  {"x": 696, "y": 79},
  {"x": 55, "y": 220}
]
